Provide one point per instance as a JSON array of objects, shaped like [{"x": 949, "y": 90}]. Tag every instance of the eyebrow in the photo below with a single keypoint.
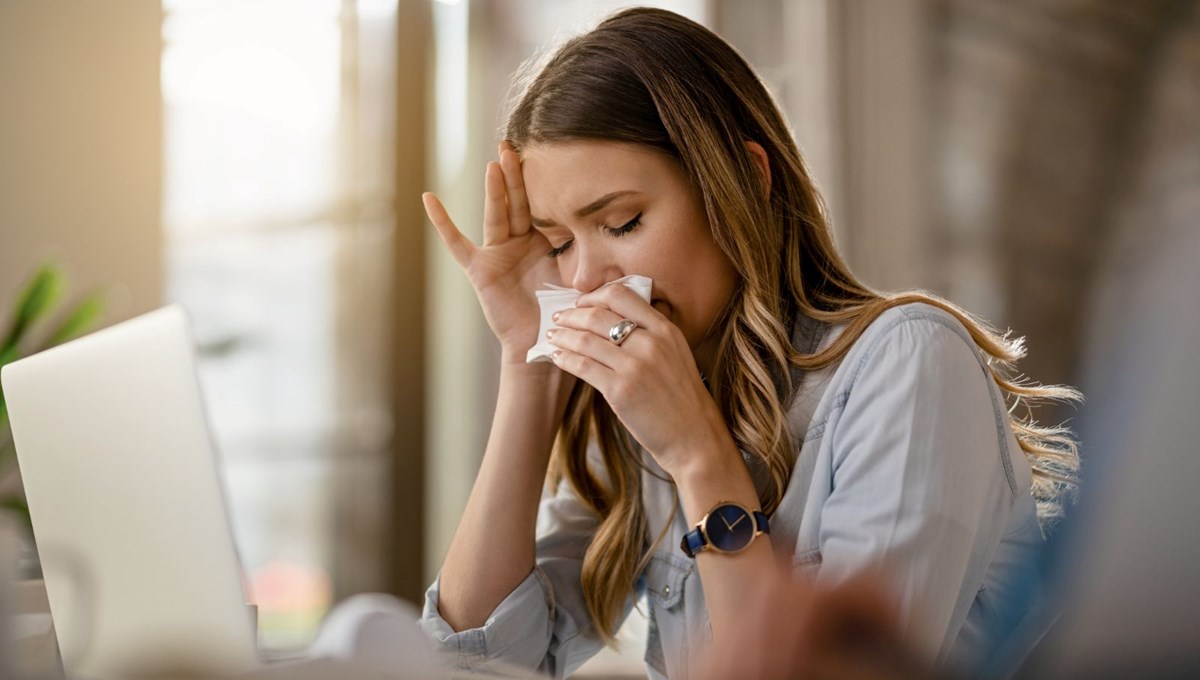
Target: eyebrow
[{"x": 586, "y": 210}]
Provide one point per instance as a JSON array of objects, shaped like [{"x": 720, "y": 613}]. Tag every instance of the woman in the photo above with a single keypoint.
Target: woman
[{"x": 763, "y": 393}]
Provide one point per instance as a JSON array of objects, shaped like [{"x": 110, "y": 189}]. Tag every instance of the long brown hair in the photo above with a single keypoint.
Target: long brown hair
[{"x": 654, "y": 78}]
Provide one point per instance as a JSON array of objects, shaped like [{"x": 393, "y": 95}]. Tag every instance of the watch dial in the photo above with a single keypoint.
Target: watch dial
[{"x": 729, "y": 528}]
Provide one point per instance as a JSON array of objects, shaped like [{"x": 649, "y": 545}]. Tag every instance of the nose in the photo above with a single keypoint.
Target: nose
[{"x": 594, "y": 266}]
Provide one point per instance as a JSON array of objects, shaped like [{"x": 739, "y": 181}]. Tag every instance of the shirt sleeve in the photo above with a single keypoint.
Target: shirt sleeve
[
  {"x": 544, "y": 623},
  {"x": 920, "y": 495}
]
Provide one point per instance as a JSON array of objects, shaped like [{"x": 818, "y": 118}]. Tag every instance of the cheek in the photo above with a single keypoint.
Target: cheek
[
  {"x": 683, "y": 274},
  {"x": 712, "y": 282}
]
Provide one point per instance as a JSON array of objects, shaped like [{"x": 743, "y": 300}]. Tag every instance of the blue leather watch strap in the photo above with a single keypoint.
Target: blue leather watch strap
[
  {"x": 760, "y": 520},
  {"x": 692, "y": 542}
]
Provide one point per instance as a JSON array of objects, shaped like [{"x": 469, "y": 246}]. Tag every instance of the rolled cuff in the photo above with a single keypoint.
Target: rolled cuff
[{"x": 517, "y": 632}]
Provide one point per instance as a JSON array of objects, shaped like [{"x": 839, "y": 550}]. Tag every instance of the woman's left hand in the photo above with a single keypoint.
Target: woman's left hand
[{"x": 650, "y": 380}]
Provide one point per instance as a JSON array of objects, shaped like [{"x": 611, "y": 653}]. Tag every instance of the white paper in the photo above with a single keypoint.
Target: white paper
[{"x": 555, "y": 298}]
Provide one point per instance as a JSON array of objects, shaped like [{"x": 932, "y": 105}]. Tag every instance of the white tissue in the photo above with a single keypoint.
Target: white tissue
[{"x": 554, "y": 298}]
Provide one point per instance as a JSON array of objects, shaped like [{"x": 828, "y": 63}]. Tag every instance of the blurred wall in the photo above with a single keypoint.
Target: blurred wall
[
  {"x": 1038, "y": 108},
  {"x": 80, "y": 146},
  {"x": 853, "y": 79}
]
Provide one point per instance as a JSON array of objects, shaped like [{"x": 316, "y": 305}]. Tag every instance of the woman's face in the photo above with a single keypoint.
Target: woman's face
[{"x": 610, "y": 210}]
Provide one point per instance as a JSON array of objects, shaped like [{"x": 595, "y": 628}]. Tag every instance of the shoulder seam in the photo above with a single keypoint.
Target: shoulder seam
[{"x": 954, "y": 326}]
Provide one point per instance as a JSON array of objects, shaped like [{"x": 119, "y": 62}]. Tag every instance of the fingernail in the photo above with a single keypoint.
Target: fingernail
[
  {"x": 556, "y": 354},
  {"x": 555, "y": 316},
  {"x": 550, "y": 334}
]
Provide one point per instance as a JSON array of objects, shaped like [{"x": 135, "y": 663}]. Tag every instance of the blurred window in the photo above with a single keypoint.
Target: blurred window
[{"x": 277, "y": 213}]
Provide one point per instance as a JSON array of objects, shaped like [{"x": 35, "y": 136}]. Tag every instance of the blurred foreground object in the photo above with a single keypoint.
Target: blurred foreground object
[
  {"x": 1130, "y": 569},
  {"x": 1125, "y": 559},
  {"x": 377, "y": 631},
  {"x": 797, "y": 629}
]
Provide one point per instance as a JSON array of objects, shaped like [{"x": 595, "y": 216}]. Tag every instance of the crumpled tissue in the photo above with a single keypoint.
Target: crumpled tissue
[{"x": 555, "y": 298}]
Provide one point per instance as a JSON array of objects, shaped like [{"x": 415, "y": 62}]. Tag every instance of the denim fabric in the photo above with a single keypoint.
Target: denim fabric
[{"x": 906, "y": 469}]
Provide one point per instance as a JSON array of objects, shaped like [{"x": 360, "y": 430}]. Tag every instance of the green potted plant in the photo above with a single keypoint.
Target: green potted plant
[{"x": 34, "y": 308}]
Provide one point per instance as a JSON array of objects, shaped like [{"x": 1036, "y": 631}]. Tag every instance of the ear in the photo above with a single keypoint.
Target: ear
[{"x": 760, "y": 158}]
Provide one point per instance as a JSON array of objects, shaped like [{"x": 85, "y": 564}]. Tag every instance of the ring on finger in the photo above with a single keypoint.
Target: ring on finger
[{"x": 621, "y": 330}]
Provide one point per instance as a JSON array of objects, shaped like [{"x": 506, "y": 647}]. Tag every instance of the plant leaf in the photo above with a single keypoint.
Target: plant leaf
[
  {"x": 80, "y": 320},
  {"x": 8, "y": 356},
  {"x": 18, "y": 506},
  {"x": 5, "y": 359},
  {"x": 38, "y": 299},
  {"x": 8, "y": 447}
]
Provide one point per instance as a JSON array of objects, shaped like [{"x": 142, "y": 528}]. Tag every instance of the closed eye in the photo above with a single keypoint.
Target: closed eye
[
  {"x": 625, "y": 228},
  {"x": 555, "y": 252},
  {"x": 615, "y": 233}
]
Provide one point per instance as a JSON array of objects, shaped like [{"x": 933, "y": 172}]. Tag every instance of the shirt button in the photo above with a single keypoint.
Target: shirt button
[{"x": 667, "y": 591}]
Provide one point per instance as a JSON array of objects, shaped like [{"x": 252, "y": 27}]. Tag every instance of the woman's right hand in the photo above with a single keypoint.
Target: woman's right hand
[{"x": 511, "y": 264}]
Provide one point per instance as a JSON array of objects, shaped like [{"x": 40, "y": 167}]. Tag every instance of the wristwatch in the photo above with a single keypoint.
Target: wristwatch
[{"x": 727, "y": 528}]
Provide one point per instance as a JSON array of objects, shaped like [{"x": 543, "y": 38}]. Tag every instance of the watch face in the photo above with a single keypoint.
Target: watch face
[{"x": 729, "y": 528}]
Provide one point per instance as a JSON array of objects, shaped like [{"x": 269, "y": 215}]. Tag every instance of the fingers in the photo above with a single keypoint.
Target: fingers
[
  {"x": 495, "y": 210},
  {"x": 460, "y": 247},
  {"x": 587, "y": 344},
  {"x": 598, "y": 320},
  {"x": 505, "y": 206},
  {"x": 518, "y": 203},
  {"x": 586, "y": 369},
  {"x": 625, "y": 303}
]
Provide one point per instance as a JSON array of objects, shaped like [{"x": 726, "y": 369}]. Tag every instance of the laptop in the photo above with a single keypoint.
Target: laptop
[{"x": 127, "y": 503}]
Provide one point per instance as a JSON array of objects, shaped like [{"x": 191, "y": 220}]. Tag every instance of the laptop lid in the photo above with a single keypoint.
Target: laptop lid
[{"x": 127, "y": 503}]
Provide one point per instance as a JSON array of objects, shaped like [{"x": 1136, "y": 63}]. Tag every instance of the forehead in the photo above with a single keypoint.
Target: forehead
[{"x": 561, "y": 176}]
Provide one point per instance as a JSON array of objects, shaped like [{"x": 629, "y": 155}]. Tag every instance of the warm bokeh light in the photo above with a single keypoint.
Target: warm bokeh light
[{"x": 251, "y": 93}]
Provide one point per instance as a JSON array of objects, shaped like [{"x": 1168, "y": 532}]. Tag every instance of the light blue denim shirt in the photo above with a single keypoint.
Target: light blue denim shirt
[{"x": 907, "y": 470}]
